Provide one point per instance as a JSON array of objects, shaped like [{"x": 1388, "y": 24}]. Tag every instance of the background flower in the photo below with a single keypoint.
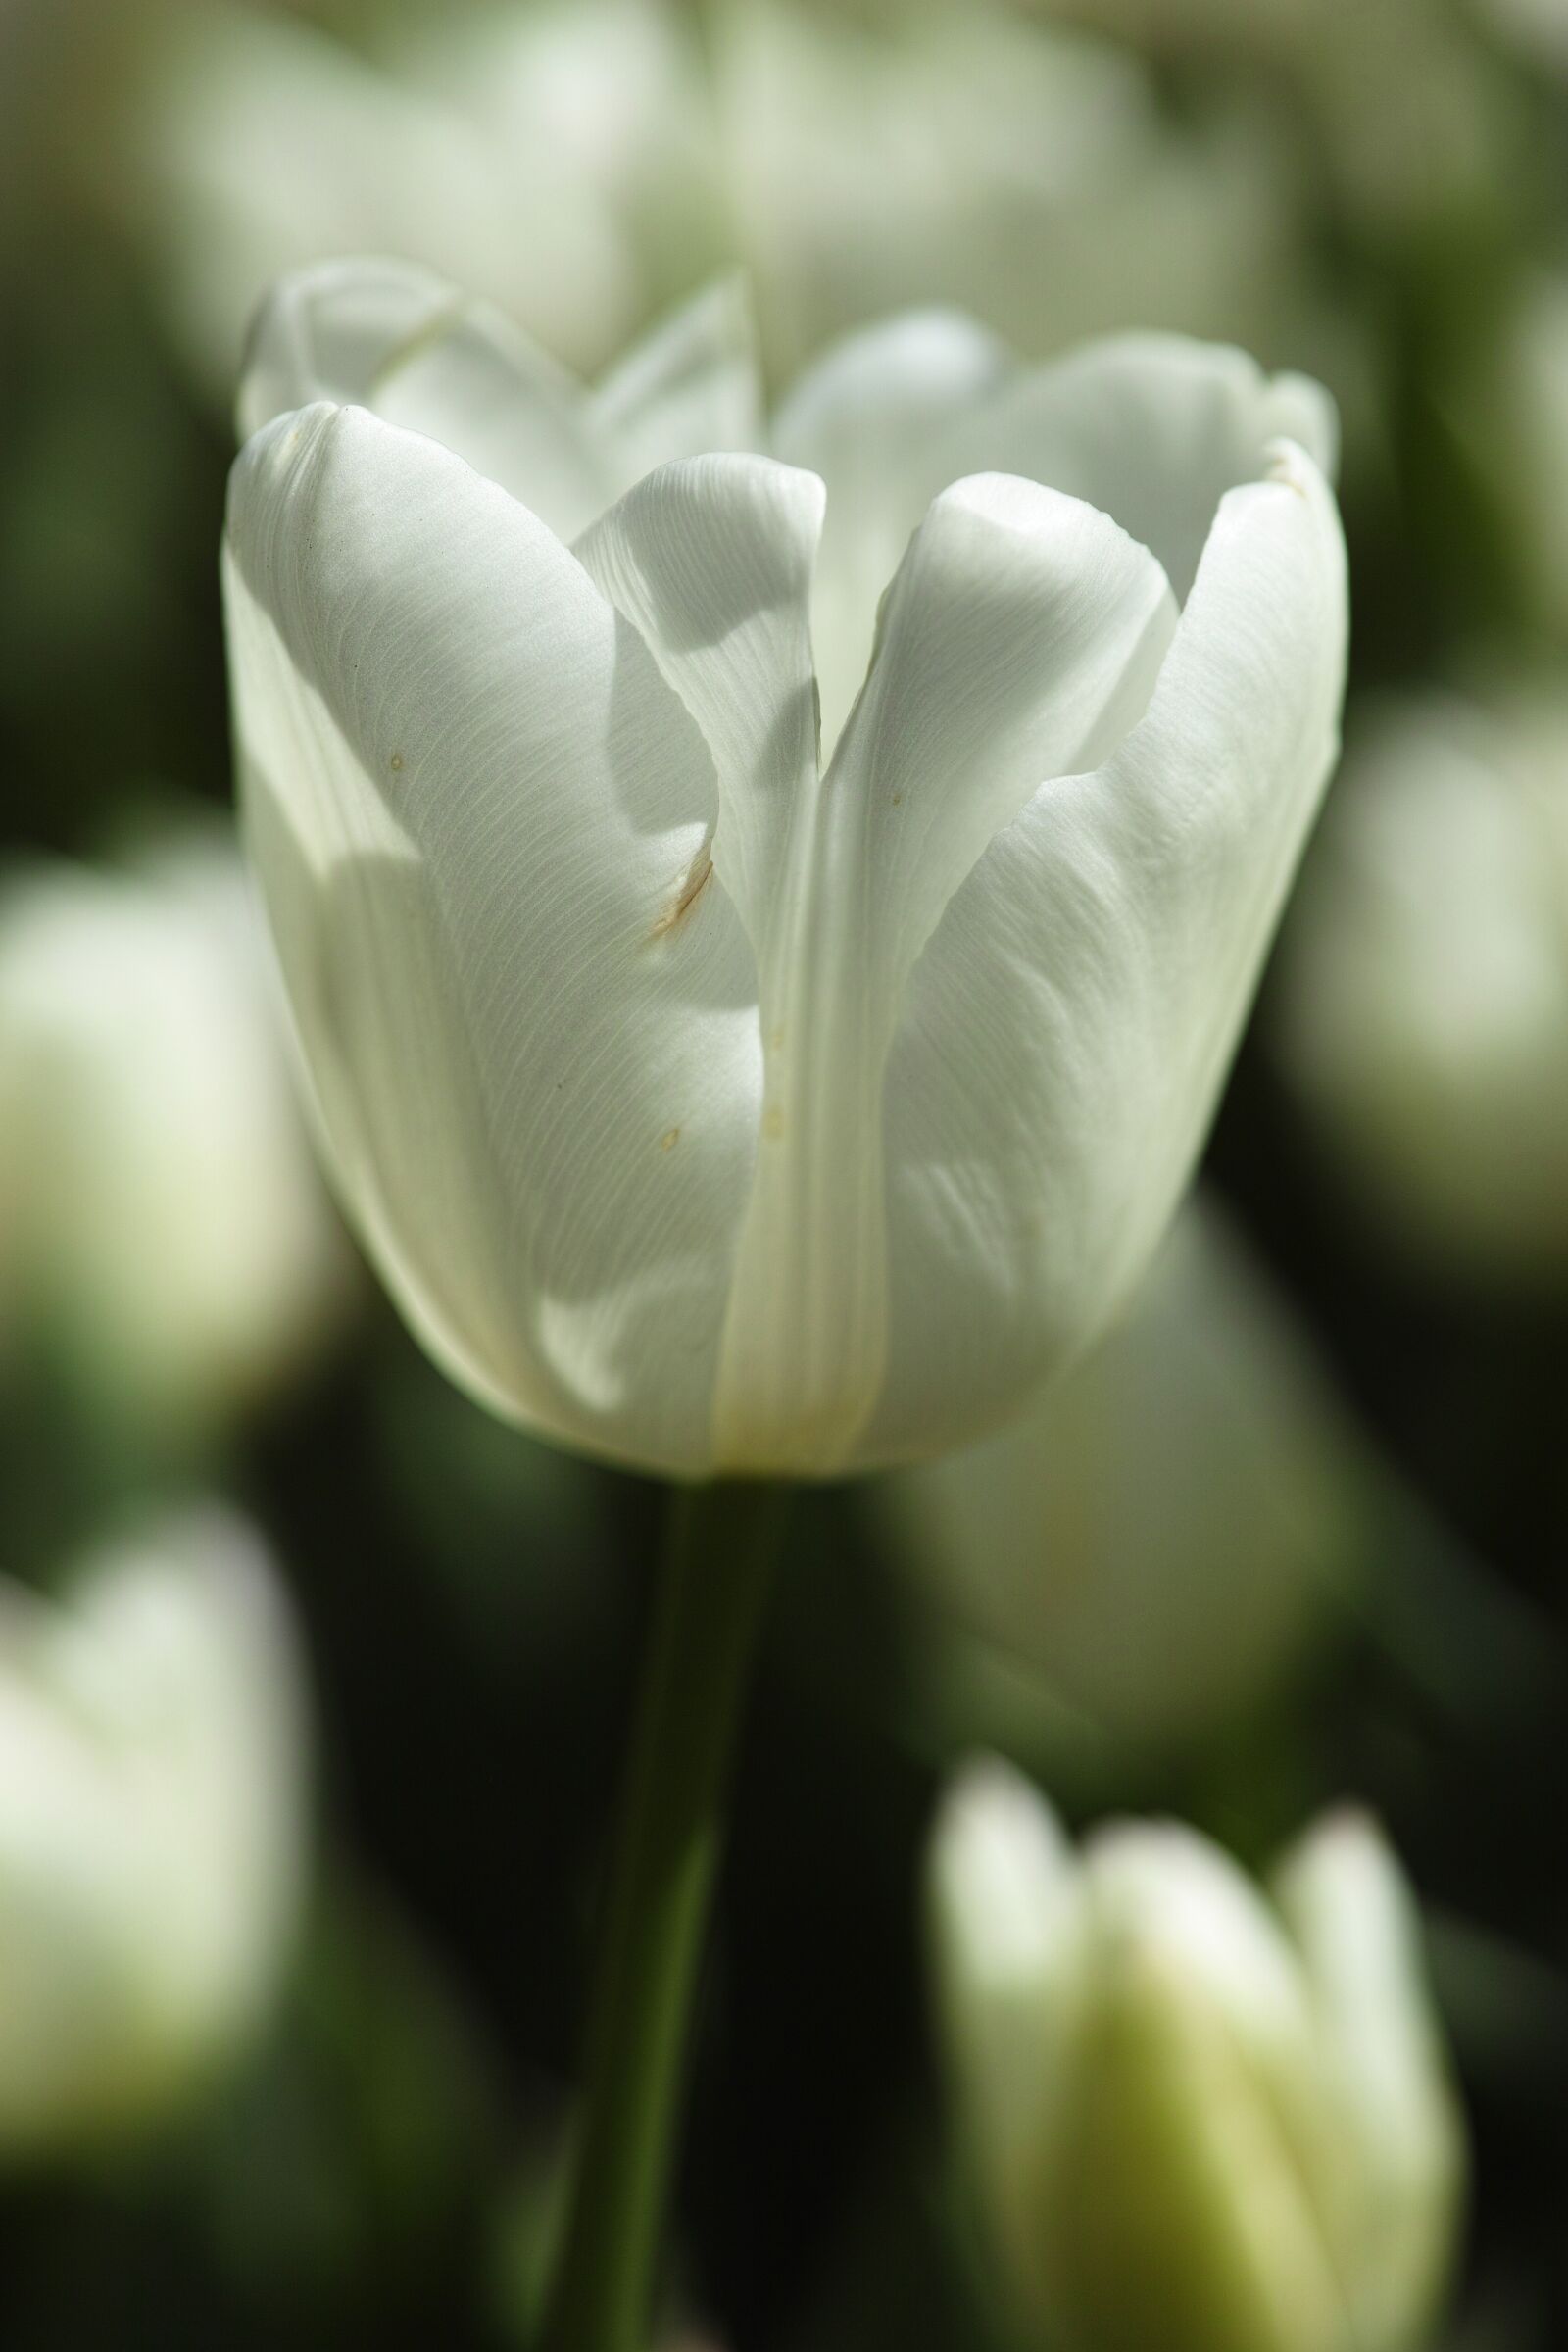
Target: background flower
[
  {"x": 1195, "y": 2117},
  {"x": 152, "y": 1831},
  {"x": 1194, "y": 1478},
  {"x": 263, "y": 142},
  {"x": 164, "y": 1237},
  {"x": 1423, "y": 1003}
]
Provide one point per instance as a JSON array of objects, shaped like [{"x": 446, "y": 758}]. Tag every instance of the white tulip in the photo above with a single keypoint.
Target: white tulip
[
  {"x": 1199, "y": 2121},
  {"x": 1159, "y": 1534},
  {"x": 551, "y": 153},
  {"x": 152, "y": 1801},
  {"x": 1028, "y": 171},
  {"x": 1422, "y": 997},
  {"x": 1408, "y": 121},
  {"x": 758, "y": 1028},
  {"x": 161, "y": 1221}
]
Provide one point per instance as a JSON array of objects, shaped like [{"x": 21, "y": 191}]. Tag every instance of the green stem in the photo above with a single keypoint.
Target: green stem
[{"x": 713, "y": 1585}]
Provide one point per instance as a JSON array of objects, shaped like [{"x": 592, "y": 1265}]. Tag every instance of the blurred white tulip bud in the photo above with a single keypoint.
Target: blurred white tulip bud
[
  {"x": 1159, "y": 1534},
  {"x": 163, "y": 1228},
  {"x": 1199, "y": 2120},
  {"x": 1028, "y": 173},
  {"x": 1393, "y": 2203},
  {"x": 1410, "y": 113},
  {"x": 152, "y": 1827},
  {"x": 1023, "y": 170},
  {"x": 1421, "y": 1002},
  {"x": 557, "y": 158}
]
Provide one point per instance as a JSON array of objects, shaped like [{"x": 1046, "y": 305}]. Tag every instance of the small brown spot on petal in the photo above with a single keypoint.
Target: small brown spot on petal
[
  {"x": 396, "y": 763},
  {"x": 691, "y": 890},
  {"x": 669, "y": 1138}
]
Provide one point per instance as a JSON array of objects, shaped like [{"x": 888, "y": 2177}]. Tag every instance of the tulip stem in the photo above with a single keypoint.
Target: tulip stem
[{"x": 716, "y": 1573}]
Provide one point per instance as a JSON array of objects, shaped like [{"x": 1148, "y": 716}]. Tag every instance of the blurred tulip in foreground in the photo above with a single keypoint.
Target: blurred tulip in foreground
[
  {"x": 161, "y": 1226},
  {"x": 737, "y": 1057},
  {"x": 1160, "y": 1533},
  {"x": 1201, "y": 2119},
  {"x": 1422, "y": 999},
  {"x": 151, "y": 1778}
]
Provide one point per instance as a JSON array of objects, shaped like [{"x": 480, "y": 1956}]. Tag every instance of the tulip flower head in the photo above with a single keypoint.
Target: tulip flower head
[
  {"x": 1201, "y": 2119},
  {"x": 767, "y": 930},
  {"x": 151, "y": 1826}
]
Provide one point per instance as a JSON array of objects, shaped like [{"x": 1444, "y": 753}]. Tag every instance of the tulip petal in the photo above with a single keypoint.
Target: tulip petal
[
  {"x": 398, "y": 339},
  {"x": 1398, "y": 2185},
  {"x": 1152, "y": 429},
  {"x": 693, "y": 386},
  {"x": 476, "y": 808},
  {"x": 1005, "y": 1902},
  {"x": 1173, "y": 2198},
  {"x": 1068, "y": 1027},
  {"x": 868, "y": 418},
  {"x": 1171, "y": 1894},
  {"x": 1022, "y": 632},
  {"x": 711, "y": 559},
  {"x": 1021, "y": 639}
]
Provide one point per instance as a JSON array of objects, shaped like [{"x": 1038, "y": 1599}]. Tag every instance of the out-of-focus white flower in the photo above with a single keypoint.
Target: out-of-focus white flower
[
  {"x": 1422, "y": 999},
  {"x": 580, "y": 162},
  {"x": 1025, "y": 172},
  {"x": 163, "y": 1228},
  {"x": 1418, "y": 128},
  {"x": 739, "y": 1058},
  {"x": 1159, "y": 1534},
  {"x": 1411, "y": 121},
  {"x": 152, "y": 1827},
  {"x": 1197, "y": 2117},
  {"x": 560, "y": 158}
]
